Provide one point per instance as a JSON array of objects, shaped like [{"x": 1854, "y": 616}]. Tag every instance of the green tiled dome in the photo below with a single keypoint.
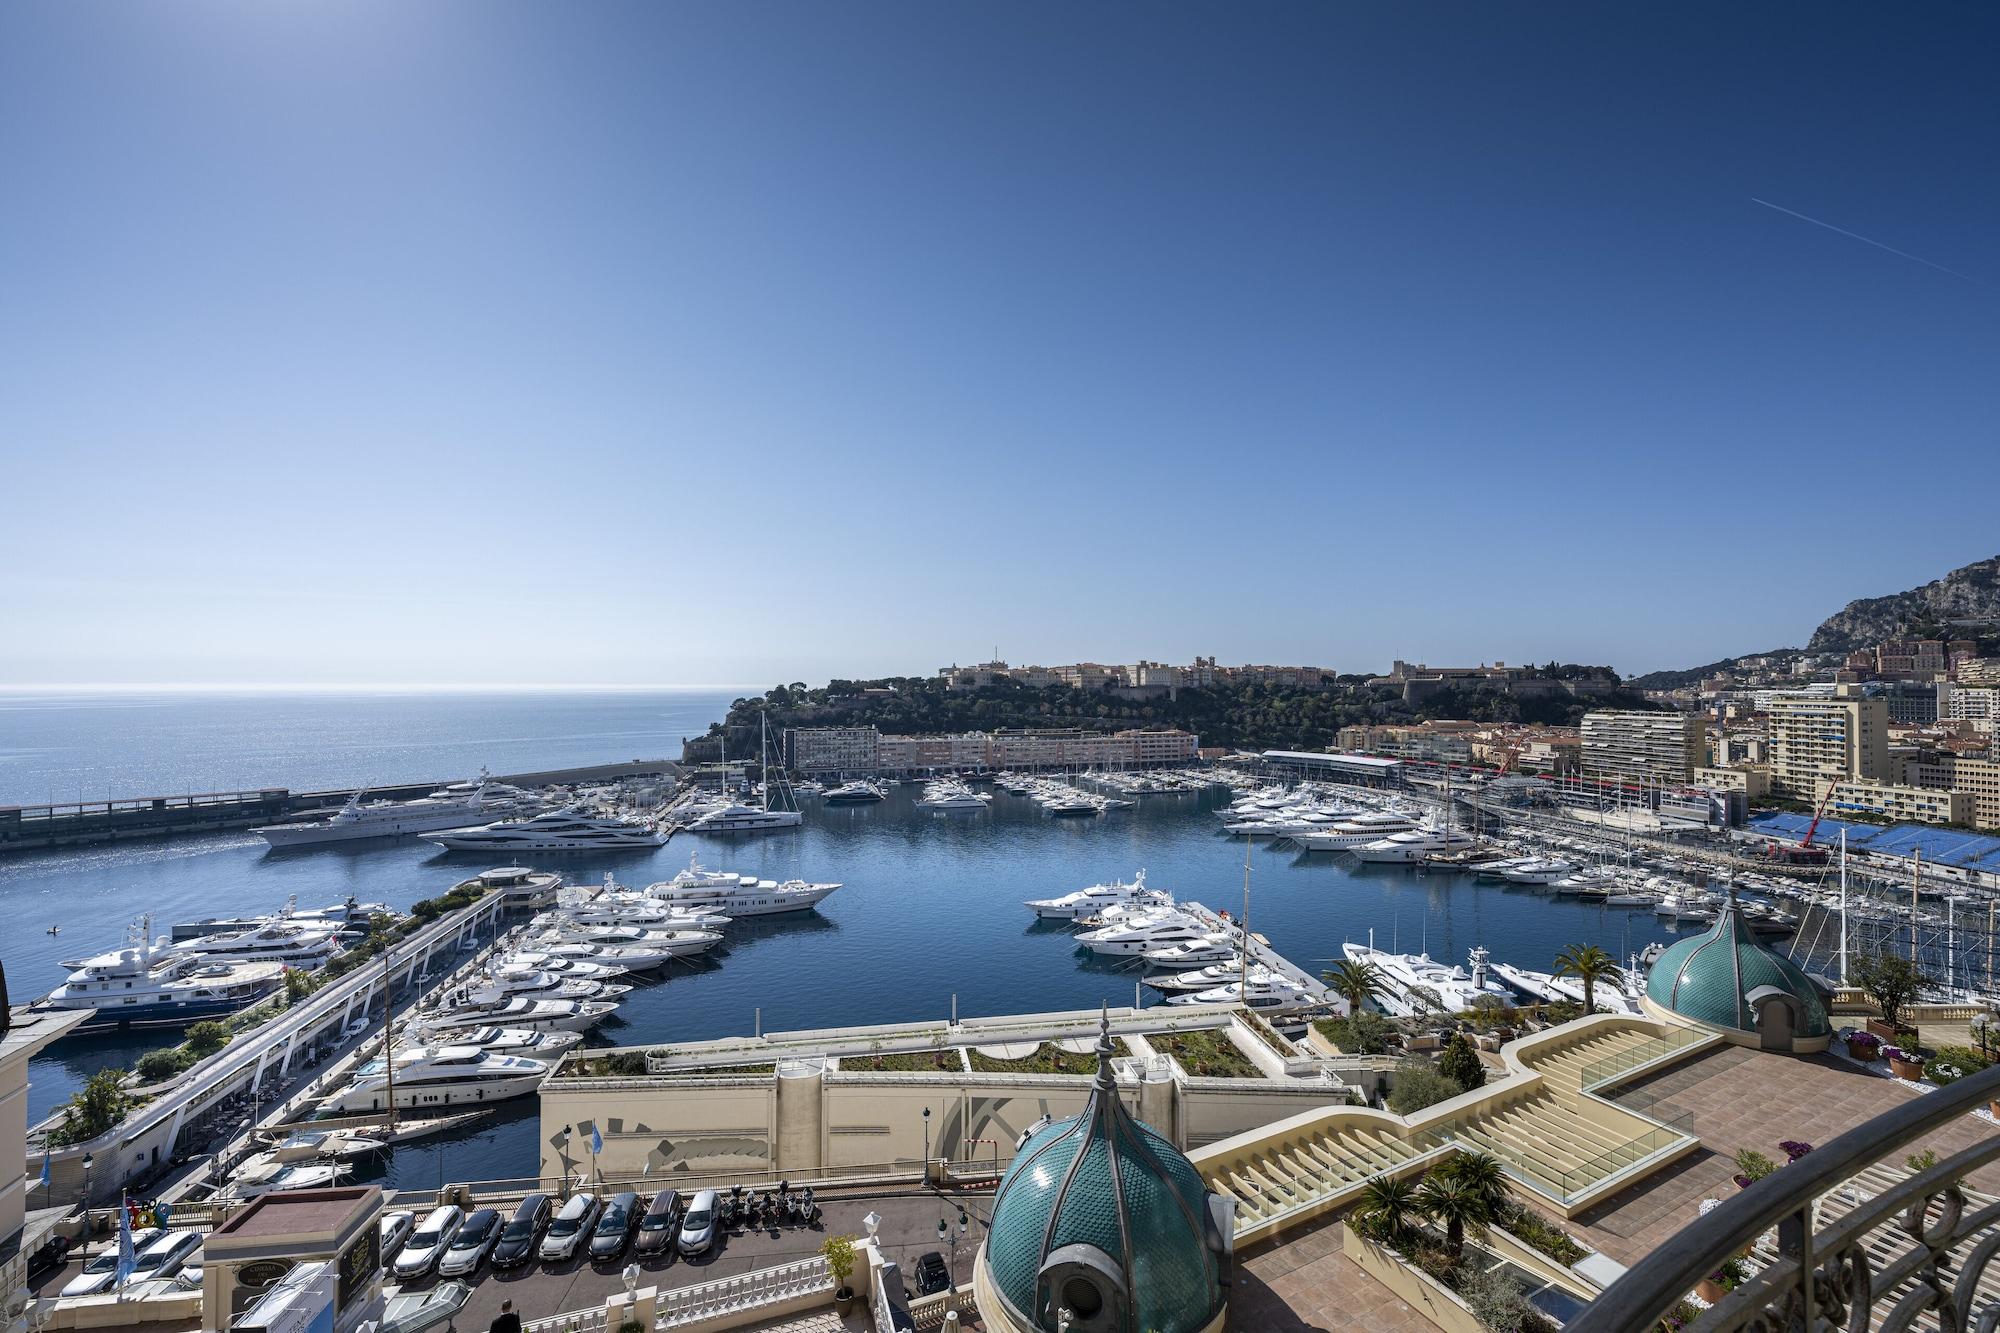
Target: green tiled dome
[
  {"x": 1710, "y": 978},
  {"x": 1106, "y": 1182}
]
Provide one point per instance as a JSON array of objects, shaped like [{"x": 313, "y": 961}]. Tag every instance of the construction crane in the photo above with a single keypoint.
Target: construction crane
[{"x": 1805, "y": 854}]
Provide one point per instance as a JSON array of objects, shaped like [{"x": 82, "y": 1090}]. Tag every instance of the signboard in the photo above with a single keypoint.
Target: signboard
[{"x": 360, "y": 1265}]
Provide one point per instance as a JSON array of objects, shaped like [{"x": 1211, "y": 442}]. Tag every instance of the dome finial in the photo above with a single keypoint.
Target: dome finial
[{"x": 1105, "y": 1050}]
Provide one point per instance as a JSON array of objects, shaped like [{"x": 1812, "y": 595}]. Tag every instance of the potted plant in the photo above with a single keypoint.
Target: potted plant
[
  {"x": 1721, "y": 1282},
  {"x": 839, "y": 1252},
  {"x": 1863, "y": 1046},
  {"x": 1904, "y": 1064},
  {"x": 1751, "y": 1167}
]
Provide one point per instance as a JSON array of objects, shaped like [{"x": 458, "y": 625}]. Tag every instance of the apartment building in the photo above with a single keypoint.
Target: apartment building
[
  {"x": 1978, "y": 780},
  {"x": 1754, "y": 782},
  {"x": 832, "y": 749},
  {"x": 1976, "y": 704},
  {"x": 1898, "y": 804},
  {"x": 967, "y": 750},
  {"x": 1817, "y": 739},
  {"x": 1642, "y": 747}
]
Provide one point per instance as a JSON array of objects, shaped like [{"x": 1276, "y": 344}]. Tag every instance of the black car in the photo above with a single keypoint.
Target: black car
[
  {"x": 661, "y": 1220},
  {"x": 933, "y": 1274},
  {"x": 614, "y": 1227},
  {"x": 523, "y": 1231}
]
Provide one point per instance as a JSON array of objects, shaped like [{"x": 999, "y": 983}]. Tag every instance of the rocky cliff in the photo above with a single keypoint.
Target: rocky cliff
[{"x": 1971, "y": 593}]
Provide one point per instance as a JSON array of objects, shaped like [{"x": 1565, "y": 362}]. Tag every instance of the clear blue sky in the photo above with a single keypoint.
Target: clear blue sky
[{"x": 743, "y": 342}]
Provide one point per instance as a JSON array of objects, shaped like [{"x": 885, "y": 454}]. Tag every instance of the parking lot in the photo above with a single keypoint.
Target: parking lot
[{"x": 908, "y": 1228}]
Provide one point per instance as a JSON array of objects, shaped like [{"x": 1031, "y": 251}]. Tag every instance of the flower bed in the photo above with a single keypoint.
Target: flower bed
[
  {"x": 1048, "y": 1058},
  {"x": 904, "y": 1062},
  {"x": 1205, "y": 1054}
]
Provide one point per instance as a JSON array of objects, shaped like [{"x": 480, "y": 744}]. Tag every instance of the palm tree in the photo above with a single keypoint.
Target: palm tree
[
  {"x": 1386, "y": 1204},
  {"x": 1483, "y": 1174},
  {"x": 1457, "y": 1203},
  {"x": 1356, "y": 983},
  {"x": 1590, "y": 965}
]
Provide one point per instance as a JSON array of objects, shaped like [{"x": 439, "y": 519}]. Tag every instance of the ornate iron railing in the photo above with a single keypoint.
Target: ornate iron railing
[{"x": 1918, "y": 1247}]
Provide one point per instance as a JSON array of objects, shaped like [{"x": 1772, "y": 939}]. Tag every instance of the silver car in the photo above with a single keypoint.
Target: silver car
[
  {"x": 428, "y": 1242},
  {"x": 698, "y": 1227},
  {"x": 101, "y": 1268},
  {"x": 471, "y": 1245}
]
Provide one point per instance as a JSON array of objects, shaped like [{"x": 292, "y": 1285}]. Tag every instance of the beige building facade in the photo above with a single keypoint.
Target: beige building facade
[
  {"x": 1626, "y": 745},
  {"x": 1816, "y": 740}
]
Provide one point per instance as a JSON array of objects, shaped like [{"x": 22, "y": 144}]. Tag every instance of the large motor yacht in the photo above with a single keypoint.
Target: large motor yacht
[
  {"x": 1139, "y": 934},
  {"x": 742, "y": 897},
  {"x": 536, "y": 1044},
  {"x": 279, "y": 940},
  {"x": 460, "y": 1012},
  {"x": 735, "y": 818},
  {"x": 858, "y": 792},
  {"x": 558, "y": 831},
  {"x": 1359, "y": 831},
  {"x": 1415, "y": 845},
  {"x": 952, "y": 795},
  {"x": 455, "y": 806},
  {"x": 434, "y": 1077},
  {"x": 1090, "y": 901},
  {"x": 1415, "y": 983},
  {"x": 538, "y": 983},
  {"x": 149, "y": 984},
  {"x": 1264, "y": 992}
]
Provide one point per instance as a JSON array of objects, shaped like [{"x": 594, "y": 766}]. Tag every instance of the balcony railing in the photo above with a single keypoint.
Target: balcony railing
[{"x": 1912, "y": 1253}]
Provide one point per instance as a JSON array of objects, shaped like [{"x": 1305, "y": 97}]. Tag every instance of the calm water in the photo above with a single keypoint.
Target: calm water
[{"x": 931, "y": 908}]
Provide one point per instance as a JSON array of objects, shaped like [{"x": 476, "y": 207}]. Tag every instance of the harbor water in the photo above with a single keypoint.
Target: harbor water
[{"x": 931, "y": 909}]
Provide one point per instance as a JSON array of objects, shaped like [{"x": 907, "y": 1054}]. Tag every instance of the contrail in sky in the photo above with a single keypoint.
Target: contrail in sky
[{"x": 1855, "y": 235}]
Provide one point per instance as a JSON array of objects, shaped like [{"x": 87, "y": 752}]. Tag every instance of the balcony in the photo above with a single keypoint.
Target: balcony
[{"x": 1862, "y": 1233}]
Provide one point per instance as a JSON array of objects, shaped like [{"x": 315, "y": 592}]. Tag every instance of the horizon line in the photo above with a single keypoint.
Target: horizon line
[{"x": 325, "y": 687}]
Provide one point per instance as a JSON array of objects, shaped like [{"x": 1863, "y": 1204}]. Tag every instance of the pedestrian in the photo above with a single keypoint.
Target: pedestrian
[{"x": 506, "y": 1321}]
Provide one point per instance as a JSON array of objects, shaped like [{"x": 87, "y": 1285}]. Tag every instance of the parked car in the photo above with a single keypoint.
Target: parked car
[
  {"x": 933, "y": 1273},
  {"x": 614, "y": 1227},
  {"x": 523, "y": 1232},
  {"x": 567, "y": 1231},
  {"x": 698, "y": 1227},
  {"x": 101, "y": 1268},
  {"x": 391, "y": 1231},
  {"x": 657, "y": 1227},
  {"x": 427, "y": 1243},
  {"x": 468, "y": 1248},
  {"x": 164, "y": 1257}
]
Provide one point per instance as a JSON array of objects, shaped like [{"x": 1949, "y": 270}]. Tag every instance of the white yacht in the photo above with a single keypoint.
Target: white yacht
[
  {"x": 148, "y": 983},
  {"x": 762, "y": 897},
  {"x": 858, "y": 792},
  {"x": 616, "y": 957},
  {"x": 431, "y": 1077},
  {"x": 349, "y": 919},
  {"x": 1414, "y": 845},
  {"x": 545, "y": 1044},
  {"x": 1266, "y": 992},
  {"x": 1548, "y": 987},
  {"x": 1137, "y": 935},
  {"x": 280, "y": 940},
  {"x": 558, "y": 831},
  {"x": 1090, "y": 901},
  {"x": 1208, "y": 978},
  {"x": 570, "y": 967},
  {"x": 1538, "y": 870},
  {"x": 1417, "y": 984},
  {"x": 536, "y": 983},
  {"x": 455, "y": 806},
  {"x": 951, "y": 796},
  {"x": 462, "y": 1014},
  {"x": 1359, "y": 831},
  {"x": 1216, "y": 947},
  {"x": 265, "y": 1174},
  {"x": 734, "y": 818}
]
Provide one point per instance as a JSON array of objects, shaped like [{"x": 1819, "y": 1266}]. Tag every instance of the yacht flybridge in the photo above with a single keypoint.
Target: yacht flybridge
[
  {"x": 558, "y": 831},
  {"x": 455, "y": 806}
]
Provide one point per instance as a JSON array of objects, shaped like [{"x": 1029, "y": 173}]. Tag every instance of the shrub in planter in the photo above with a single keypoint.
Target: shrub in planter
[
  {"x": 839, "y": 1252},
  {"x": 1751, "y": 1167}
]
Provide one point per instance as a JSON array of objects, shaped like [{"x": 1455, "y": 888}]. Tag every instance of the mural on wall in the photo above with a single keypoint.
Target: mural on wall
[
  {"x": 684, "y": 1153},
  {"x": 975, "y": 1128}
]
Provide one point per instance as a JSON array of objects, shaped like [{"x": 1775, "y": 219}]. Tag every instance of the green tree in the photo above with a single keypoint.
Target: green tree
[
  {"x": 297, "y": 985},
  {"x": 1455, "y": 1203},
  {"x": 206, "y": 1038},
  {"x": 1891, "y": 980},
  {"x": 1460, "y": 1063},
  {"x": 1386, "y": 1207},
  {"x": 1355, "y": 982},
  {"x": 95, "y": 1107},
  {"x": 1484, "y": 1175},
  {"x": 1590, "y": 965},
  {"x": 1419, "y": 1083}
]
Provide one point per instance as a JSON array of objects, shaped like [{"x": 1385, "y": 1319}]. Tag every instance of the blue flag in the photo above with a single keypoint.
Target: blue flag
[
  {"x": 127, "y": 1260},
  {"x": 45, "y": 1166},
  {"x": 596, "y": 1141}
]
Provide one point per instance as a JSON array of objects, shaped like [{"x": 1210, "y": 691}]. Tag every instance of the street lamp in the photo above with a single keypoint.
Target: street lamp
[
  {"x": 927, "y": 1145},
  {"x": 87, "y": 1160},
  {"x": 562, "y": 1149},
  {"x": 956, "y": 1237}
]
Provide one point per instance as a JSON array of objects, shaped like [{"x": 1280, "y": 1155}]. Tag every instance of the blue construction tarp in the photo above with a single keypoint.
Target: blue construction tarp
[{"x": 1941, "y": 846}]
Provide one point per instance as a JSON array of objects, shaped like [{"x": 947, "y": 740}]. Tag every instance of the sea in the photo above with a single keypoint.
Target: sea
[{"x": 929, "y": 914}]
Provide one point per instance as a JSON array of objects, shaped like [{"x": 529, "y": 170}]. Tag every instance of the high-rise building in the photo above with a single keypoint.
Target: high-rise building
[
  {"x": 1635, "y": 746},
  {"x": 1816, "y": 740}
]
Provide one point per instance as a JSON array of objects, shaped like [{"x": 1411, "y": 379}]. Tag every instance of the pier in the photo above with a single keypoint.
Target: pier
[
  {"x": 116, "y": 819},
  {"x": 151, "y": 1137}
]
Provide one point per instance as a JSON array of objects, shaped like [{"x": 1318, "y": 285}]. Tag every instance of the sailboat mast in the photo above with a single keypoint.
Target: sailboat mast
[
  {"x": 1843, "y": 907},
  {"x": 1916, "y": 881},
  {"x": 1243, "y": 958},
  {"x": 389, "y": 1041}
]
